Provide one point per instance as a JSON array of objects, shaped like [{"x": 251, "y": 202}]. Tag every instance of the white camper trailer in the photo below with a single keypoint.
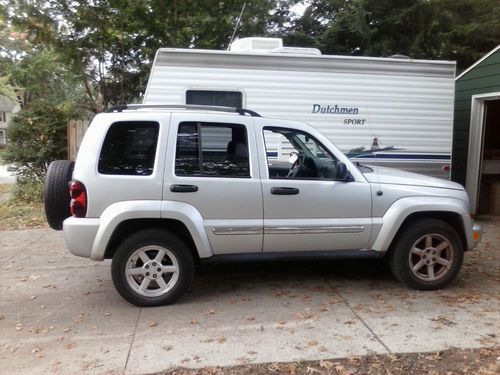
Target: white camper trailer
[{"x": 395, "y": 112}]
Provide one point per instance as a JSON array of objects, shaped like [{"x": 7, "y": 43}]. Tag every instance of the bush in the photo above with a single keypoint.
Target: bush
[
  {"x": 27, "y": 191},
  {"x": 37, "y": 136}
]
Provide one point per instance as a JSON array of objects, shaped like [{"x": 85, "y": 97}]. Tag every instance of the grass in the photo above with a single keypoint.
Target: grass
[{"x": 16, "y": 214}]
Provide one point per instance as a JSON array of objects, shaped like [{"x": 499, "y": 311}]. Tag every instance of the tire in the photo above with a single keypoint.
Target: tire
[
  {"x": 427, "y": 256},
  {"x": 136, "y": 263},
  {"x": 56, "y": 197}
]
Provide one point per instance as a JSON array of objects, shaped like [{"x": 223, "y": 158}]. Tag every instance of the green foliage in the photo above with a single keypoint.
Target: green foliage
[
  {"x": 37, "y": 136},
  {"x": 110, "y": 44},
  {"x": 6, "y": 88},
  {"x": 461, "y": 30},
  {"x": 27, "y": 191}
]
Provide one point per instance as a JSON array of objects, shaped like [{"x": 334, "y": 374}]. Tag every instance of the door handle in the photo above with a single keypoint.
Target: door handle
[
  {"x": 183, "y": 188},
  {"x": 284, "y": 191}
]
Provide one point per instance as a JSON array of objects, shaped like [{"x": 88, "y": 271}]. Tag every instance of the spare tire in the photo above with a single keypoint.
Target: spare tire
[{"x": 56, "y": 197}]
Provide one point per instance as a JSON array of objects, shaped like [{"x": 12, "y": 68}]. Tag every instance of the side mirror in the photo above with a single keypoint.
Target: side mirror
[{"x": 342, "y": 172}]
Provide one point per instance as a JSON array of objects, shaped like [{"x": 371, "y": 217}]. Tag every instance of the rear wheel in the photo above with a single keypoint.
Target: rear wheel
[
  {"x": 152, "y": 267},
  {"x": 428, "y": 255},
  {"x": 56, "y": 198}
]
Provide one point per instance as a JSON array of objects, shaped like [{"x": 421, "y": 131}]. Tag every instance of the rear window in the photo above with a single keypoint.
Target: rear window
[{"x": 129, "y": 148}]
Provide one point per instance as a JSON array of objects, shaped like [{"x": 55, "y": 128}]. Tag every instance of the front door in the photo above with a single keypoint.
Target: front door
[
  {"x": 306, "y": 208},
  {"x": 216, "y": 172}
]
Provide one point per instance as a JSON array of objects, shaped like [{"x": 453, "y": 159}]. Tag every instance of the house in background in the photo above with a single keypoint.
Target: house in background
[
  {"x": 476, "y": 133},
  {"x": 7, "y": 109}
]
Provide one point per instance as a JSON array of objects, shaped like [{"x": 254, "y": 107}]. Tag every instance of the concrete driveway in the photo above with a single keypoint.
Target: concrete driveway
[{"x": 61, "y": 314}]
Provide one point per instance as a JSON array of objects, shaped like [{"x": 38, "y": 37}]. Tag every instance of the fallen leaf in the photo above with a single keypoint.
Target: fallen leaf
[
  {"x": 210, "y": 312},
  {"x": 221, "y": 339},
  {"x": 70, "y": 346},
  {"x": 312, "y": 343},
  {"x": 152, "y": 323},
  {"x": 292, "y": 369},
  {"x": 326, "y": 364},
  {"x": 311, "y": 370}
]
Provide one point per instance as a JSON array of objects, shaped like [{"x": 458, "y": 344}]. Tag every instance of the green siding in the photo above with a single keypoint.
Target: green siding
[{"x": 482, "y": 79}]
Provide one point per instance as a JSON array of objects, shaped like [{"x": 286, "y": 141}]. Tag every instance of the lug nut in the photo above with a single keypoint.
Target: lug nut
[
  {"x": 147, "y": 266},
  {"x": 154, "y": 264},
  {"x": 154, "y": 276},
  {"x": 147, "y": 273},
  {"x": 158, "y": 269}
]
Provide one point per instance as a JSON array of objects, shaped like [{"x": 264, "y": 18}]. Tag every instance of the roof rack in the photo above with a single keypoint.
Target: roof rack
[{"x": 241, "y": 111}]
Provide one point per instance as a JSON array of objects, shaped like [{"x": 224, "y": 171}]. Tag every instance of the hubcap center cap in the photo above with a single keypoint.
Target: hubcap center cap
[
  {"x": 152, "y": 270},
  {"x": 429, "y": 256}
]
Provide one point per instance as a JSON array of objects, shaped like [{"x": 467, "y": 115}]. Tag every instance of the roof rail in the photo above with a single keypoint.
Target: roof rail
[{"x": 241, "y": 111}]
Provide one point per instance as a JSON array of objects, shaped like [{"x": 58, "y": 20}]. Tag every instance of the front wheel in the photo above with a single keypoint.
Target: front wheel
[
  {"x": 428, "y": 255},
  {"x": 152, "y": 267}
]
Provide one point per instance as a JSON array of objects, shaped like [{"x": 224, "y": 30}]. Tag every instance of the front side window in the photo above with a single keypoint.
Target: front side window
[
  {"x": 216, "y": 98},
  {"x": 212, "y": 150},
  {"x": 129, "y": 148},
  {"x": 299, "y": 155}
]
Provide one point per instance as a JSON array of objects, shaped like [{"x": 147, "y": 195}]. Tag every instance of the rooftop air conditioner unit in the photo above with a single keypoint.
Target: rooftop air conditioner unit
[{"x": 256, "y": 44}]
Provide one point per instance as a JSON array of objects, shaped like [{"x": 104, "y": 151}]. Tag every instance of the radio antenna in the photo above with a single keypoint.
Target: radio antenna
[{"x": 237, "y": 25}]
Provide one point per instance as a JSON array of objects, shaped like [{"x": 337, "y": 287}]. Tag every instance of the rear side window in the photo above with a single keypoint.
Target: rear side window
[
  {"x": 129, "y": 148},
  {"x": 212, "y": 150}
]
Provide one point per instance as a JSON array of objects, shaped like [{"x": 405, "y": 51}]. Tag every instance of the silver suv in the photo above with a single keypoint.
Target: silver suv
[{"x": 159, "y": 188}]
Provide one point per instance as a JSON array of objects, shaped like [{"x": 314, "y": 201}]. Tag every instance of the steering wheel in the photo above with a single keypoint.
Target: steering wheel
[{"x": 298, "y": 165}]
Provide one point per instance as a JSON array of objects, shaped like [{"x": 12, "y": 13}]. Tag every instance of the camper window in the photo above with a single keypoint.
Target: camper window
[
  {"x": 216, "y": 98},
  {"x": 212, "y": 150}
]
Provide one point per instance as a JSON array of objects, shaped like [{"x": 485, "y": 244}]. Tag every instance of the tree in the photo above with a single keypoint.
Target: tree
[
  {"x": 461, "y": 30},
  {"x": 37, "y": 136},
  {"x": 111, "y": 44}
]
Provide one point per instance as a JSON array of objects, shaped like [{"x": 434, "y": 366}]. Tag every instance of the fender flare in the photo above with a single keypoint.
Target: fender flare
[
  {"x": 128, "y": 210},
  {"x": 400, "y": 210}
]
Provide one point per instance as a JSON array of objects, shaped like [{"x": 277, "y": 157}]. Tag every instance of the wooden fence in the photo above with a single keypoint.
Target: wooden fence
[{"x": 76, "y": 129}]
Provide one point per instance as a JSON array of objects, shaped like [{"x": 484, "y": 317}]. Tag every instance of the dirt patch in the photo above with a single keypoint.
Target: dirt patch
[{"x": 449, "y": 362}]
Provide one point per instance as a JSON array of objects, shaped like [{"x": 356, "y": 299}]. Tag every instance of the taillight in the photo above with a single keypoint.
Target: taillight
[{"x": 78, "y": 204}]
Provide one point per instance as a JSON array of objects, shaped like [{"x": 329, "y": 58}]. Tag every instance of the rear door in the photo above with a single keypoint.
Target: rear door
[{"x": 212, "y": 165}]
